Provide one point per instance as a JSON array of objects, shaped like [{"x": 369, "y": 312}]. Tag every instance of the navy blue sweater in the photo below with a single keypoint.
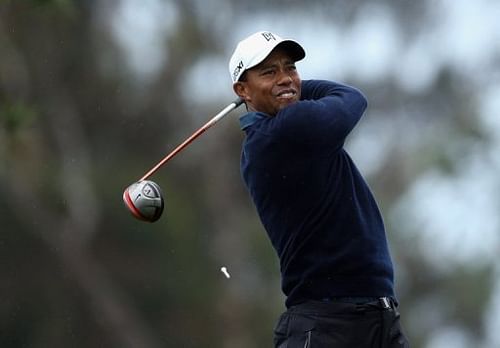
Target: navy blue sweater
[{"x": 316, "y": 207}]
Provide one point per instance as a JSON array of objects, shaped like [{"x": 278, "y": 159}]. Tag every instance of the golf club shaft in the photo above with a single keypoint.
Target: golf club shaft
[{"x": 195, "y": 135}]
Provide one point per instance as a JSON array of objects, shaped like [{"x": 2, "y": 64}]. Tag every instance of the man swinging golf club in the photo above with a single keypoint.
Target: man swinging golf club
[{"x": 316, "y": 207}]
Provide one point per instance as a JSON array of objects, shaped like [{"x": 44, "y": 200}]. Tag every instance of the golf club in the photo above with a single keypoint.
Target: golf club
[{"x": 144, "y": 198}]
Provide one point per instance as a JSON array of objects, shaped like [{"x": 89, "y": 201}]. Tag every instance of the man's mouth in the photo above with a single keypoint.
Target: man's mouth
[{"x": 286, "y": 94}]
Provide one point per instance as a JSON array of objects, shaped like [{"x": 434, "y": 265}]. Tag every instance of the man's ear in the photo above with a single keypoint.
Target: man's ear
[{"x": 240, "y": 89}]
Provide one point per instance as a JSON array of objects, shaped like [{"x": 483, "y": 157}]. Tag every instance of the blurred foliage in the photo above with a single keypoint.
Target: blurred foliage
[
  {"x": 15, "y": 116},
  {"x": 76, "y": 128}
]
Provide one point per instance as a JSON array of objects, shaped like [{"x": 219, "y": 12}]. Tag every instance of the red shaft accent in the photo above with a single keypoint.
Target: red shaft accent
[
  {"x": 195, "y": 135},
  {"x": 176, "y": 150}
]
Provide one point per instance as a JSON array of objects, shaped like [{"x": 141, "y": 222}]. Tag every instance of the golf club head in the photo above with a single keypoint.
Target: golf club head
[{"x": 144, "y": 200}]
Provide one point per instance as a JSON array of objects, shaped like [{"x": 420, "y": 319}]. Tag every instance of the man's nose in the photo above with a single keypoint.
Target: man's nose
[{"x": 284, "y": 78}]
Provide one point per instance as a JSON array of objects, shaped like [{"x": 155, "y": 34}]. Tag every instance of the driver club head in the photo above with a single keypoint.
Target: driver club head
[{"x": 144, "y": 200}]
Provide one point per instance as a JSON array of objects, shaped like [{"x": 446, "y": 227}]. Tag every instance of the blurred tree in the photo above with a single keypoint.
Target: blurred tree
[{"x": 51, "y": 195}]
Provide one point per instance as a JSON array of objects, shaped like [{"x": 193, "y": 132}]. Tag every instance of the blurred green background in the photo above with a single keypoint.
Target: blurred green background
[{"x": 93, "y": 93}]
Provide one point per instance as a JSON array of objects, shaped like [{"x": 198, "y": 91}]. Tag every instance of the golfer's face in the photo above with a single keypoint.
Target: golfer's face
[{"x": 273, "y": 84}]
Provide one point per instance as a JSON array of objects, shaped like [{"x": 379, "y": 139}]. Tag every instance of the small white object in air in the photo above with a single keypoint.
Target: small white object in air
[{"x": 224, "y": 270}]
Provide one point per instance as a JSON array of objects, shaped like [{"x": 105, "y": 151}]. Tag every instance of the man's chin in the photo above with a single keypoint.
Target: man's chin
[{"x": 287, "y": 102}]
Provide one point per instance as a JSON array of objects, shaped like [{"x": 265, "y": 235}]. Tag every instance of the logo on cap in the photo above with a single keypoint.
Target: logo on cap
[
  {"x": 237, "y": 70},
  {"x": 268, "y": 36}
]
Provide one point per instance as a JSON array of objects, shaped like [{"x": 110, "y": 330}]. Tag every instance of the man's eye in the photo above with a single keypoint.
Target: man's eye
[{"x": 267, "y": 72}]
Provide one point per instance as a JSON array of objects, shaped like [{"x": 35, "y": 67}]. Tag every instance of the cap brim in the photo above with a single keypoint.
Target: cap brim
[{"x": 296, "y": 52}]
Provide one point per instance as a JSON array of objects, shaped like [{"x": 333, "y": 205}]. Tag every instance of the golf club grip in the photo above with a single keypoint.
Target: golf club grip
[
  {"x": 195, "y": 135},
  {"x": 238, "y": 101}
]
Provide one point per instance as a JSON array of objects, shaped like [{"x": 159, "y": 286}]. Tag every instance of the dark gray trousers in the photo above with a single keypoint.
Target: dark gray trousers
[{"x": 317, "y": 324}]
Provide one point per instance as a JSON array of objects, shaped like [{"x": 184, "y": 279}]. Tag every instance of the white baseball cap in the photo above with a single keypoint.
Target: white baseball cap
[{"x": 254, "y": 49}]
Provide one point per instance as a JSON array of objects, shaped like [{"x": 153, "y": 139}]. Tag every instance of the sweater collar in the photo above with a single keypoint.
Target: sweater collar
[{"x": 250, "y": 118}]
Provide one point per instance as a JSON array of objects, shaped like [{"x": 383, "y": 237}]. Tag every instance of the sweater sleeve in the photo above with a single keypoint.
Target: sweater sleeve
[{"x": 325, "y": 115}]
